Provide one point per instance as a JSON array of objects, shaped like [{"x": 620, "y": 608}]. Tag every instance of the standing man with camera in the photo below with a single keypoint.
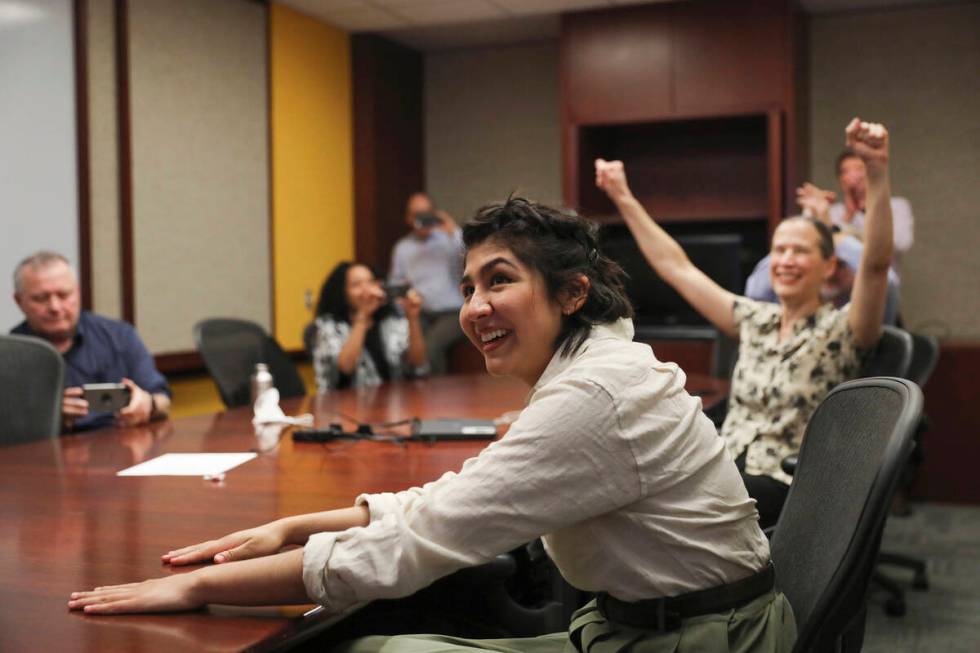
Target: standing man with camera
[
  {"x": 95, "y": 349},
  {"x": 430, "y": 260}
]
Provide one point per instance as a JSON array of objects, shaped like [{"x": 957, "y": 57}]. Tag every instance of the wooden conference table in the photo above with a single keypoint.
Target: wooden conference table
[{"x": 67, "y": 522}]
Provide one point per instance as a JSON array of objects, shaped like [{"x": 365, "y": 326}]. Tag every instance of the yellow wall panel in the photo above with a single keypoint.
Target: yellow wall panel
[{"x": 312, "y": 162}]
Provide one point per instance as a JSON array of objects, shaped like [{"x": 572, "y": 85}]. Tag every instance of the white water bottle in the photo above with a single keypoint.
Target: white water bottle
[{"x": 261, "y": 381}]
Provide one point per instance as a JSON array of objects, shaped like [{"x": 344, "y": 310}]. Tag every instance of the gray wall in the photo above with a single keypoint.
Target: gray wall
[
  {"x": 38, "y": 170},
  {"x": 199, "y": 103},
  {"x": 916, "y": 70},
  {"x": 492, "y": 126}
]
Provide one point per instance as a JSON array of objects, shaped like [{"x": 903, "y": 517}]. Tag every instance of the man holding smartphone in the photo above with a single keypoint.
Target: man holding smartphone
[
  {"x": 430, "y": 260},
  {"x": 96, "y": 349}
]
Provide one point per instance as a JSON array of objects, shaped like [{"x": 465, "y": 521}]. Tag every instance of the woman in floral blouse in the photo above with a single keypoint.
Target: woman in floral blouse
[
  {"x": 791, "y": 353},
  {"x": 360, "y": 338}
]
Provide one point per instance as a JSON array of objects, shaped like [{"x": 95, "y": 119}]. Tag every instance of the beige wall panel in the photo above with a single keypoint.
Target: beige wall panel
[
  {"x": 915, "y": 70},
  {"x": 200, "y": 165},
  {"x": 492, "y": 126},
  {"x": 103, "y": 159}
]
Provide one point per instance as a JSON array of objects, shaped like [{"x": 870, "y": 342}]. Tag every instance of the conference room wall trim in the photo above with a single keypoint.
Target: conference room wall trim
[
  {"x": 79, "y": 34},
  {"x": 125, "y": 160},
  {"x": 104, "y": 239}
]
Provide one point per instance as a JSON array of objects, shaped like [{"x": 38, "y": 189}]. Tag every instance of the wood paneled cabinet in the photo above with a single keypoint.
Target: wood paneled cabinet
[{"x": 699, "y": 98}]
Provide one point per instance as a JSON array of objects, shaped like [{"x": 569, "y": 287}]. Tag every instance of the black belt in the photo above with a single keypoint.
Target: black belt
[{"x": 667, "y": 613}]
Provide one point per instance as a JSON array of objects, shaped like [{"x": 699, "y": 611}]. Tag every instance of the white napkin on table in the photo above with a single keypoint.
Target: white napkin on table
[{"x": 267, "y": 411}]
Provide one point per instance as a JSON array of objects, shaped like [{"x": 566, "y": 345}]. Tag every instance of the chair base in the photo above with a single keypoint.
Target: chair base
[{"x": 895, "y": 604}]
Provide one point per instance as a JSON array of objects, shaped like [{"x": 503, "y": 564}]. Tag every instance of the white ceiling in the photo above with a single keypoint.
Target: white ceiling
[{"x": 431, "y": 25}]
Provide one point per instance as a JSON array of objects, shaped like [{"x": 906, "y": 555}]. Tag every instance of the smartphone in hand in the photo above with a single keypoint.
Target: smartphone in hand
[
  {"x": 426, "y": 219},
  {"x": 395, "y": 290},
  {"x": 105, "y": 397}
]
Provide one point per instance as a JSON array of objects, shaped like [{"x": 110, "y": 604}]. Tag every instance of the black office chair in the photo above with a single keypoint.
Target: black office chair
[
  {"x": 31, "y": 385},
  {"x": 826, "y": 543},
  {"x": 891, "y": 356},
  {"x": 925, "y": 355},
  {"x": 473, "y": 602},
  {"x": 231, "y": 348}
]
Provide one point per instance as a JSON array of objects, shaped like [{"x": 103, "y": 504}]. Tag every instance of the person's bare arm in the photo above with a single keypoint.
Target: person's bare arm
[
  {"x": 815, "y": 202},
  {"x": 269, "y": 538},
  {"x": 270, "y": 580},
  {"x": 365, "y": 304},
  {"x": 448, "y": 224},
  {"x": 664, "y": 254},
  {"x": 416, "y": 354},
  {"x": 352, "y": 348},
  {"x": 870, "y": 142},
  {"x": 257, "y": 575}
]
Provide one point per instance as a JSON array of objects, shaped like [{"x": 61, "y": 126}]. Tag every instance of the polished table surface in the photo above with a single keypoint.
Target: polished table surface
[{"x": 69, "y": 523}]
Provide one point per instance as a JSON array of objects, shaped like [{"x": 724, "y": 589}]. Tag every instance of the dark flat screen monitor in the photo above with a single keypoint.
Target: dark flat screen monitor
[{"x": 655, "y": 302}]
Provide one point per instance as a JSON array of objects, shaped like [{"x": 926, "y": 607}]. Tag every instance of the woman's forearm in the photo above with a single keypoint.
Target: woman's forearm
[
  {"x": 878, "y": 229},
  {"x": 416, "y": 354},
  {"x": 350, "y": 353},
  {"x": 298, "y": 528},
  {"x": 273, "y": 579},
  {"x": 269, "y": 580}
]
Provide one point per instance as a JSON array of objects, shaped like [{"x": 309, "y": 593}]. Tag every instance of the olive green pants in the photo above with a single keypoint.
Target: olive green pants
[{"x": 764, "y": 625}]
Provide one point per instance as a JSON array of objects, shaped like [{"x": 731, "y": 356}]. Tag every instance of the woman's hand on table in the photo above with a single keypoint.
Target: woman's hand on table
[
  {"x": 170, "y": 594},
  {"x": 241, "y": 545}
]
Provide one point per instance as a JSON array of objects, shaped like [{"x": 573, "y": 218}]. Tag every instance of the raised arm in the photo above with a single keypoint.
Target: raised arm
[
  {"x": 416, "y": 354},
  {"x": 870, "y": 142},
  {"x": 664, "y": 254}
]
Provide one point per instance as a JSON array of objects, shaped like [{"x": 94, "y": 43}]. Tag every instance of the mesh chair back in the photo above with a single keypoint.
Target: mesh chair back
[
  {"x": 824, "y": 548},
  {"x": 31, "y": 378},
  {"x": 892, "y": 354},
  {"x": 724, "y": 354},
  {"x": 231, "y": 349},
  {"x": 925, "y": 355}
]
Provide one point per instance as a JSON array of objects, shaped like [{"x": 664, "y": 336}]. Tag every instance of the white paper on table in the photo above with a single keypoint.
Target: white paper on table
[{"x": 188, "y": 464}]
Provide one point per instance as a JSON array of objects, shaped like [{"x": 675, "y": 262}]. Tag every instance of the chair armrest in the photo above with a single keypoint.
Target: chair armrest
[
  {"x": 789, "y": 464},
  {"x": 718, "y": 412}
]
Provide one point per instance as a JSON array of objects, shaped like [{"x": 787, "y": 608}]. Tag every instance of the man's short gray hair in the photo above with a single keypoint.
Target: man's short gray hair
[{"x": 36, "y": 261}]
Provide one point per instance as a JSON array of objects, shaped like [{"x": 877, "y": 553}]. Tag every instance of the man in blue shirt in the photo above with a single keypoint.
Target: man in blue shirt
[
  {"x": 430, "y": 259},
  {"x": 95, "y": 349}
]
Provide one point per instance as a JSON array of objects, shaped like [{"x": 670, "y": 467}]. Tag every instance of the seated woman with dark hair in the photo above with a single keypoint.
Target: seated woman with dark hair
[
  {"x": 612, "y": 463},
  {"x": 358, "y": 337}
]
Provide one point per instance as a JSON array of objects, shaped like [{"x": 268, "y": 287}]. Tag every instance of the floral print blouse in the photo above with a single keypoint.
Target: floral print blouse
[
  {"x": 331, "y": 335},
  {"x": 776, "y": 386}
]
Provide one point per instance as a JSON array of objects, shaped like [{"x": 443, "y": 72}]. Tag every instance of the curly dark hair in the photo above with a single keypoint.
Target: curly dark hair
[
  {"x": 561, "y": 246},
  {"x": 333, "y": 294},
  {"x": 333, "y": 302}
]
